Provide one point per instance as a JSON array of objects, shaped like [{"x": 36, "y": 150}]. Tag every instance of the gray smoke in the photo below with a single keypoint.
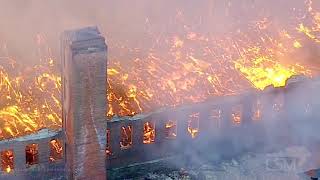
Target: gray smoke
[{"x": 125, "y": 21}]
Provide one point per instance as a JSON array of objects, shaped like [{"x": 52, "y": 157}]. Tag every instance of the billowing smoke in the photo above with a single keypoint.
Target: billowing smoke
[
  {"x": 288, "y": 134},
  {"x": 128, "y": 21}
]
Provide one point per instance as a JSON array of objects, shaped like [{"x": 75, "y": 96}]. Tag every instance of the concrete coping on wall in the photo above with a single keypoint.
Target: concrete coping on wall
[
  {"x": 212, "y": 102},
  {"x": 164, "y": 147},
  {"x": 44, "y": 167},
  {"x": 41, "y": 134}
]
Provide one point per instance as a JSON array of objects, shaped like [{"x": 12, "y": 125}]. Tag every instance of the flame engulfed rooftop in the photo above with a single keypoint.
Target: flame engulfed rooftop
[{"x": 176, "y": 68}]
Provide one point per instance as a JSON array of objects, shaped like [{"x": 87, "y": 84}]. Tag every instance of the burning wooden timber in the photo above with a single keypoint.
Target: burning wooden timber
[
  {"x": 90, "y": 144},
  {"x": 180, "y": 68}
]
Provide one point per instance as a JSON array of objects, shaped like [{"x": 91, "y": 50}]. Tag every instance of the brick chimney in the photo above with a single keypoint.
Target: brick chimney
[{"x": 84, "y": 59}]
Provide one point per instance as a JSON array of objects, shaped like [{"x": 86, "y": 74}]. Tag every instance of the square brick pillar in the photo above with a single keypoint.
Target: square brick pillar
[{"x": 84, "y": 62}]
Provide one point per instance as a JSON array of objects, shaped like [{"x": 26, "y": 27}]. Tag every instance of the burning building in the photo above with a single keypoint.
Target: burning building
[
  {"x": 185, "y": 98},
  {"x": 89, "y": 145}
]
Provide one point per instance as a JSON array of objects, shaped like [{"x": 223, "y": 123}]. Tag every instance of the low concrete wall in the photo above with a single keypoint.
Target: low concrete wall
[
  {"x": 273, "y": 108},
  {"x": 44, "y": 169},
  {"x": 217, "y": 130}
]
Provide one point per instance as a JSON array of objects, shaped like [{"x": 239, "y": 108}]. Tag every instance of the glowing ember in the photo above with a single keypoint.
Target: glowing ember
[
  {"x": 262, "y": 77},
  {"x": 56, "y": 150},
  {"x": 126, "y": 137},
  {"x": 149, "y": 133},
  {"x": 8, "y": 169},
  {"x": 195, "y": 66},
  {"x": 237, "y": 114},
  {"x": 32, "y": 151},
  {"x": 171, "y": 129},
  {"x": 193, "y": 124},
  {"x": 7, "y": 161},
  {"x": 312, "y": 30},
  {"x": 29, "y": 98}
]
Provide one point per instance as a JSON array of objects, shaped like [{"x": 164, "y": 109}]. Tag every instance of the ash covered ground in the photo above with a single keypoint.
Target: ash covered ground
[{"x": 289, "y": 163}]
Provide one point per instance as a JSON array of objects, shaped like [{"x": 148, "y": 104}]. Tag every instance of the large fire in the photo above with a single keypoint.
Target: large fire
[
  {"x": 29, "y": 98},
  {"x": 176, "y": 69}
]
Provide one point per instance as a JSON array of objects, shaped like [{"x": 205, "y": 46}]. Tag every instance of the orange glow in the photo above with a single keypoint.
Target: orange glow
[
  {"x": 126, "y": 137},
  {"x": 237, "y": 114},
  {"x": 171, "y": 129},
  {"x": 192, "y": 67},
  {"x": 108, "y": 145},
  {"x": 257, "y": 108},
  {"x": 149, "y": 133},
  {"x": 193, "y": 124},
  {"x": 170, "y": 69},
  {"x": 56, "y": 150},
  {"x": 32, "y": 151},
  {"x": 311, "y": 30},
  {"x": 30, "y": 98},
  {"x": 7, "y": 160},
  {"x": 8, "y": 169}
]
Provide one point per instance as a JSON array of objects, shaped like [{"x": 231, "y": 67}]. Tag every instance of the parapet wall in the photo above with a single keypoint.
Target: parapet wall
[
  {"x": 175, "y": 131},
  {"x": 44, "y": 163},
  {"x": 240, "y": 121}
]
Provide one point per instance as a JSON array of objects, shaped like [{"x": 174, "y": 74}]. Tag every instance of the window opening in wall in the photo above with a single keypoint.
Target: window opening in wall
[
  {"x": 32, "y": 154},
  {"x": 126, "y": 137},
  {"x": 237, "y": 114},
  {"x": 171, "y": 129},
  {"x": 7, "y": 161},
  {"x": 56, "y": 150},
  {"x": 193, "y": 124},
  {"x": 108, "y": 146},
  {"x": 149, "y": 132},
  {"x": 257, "y": 110},
  {"x": 215, "y": 115}
]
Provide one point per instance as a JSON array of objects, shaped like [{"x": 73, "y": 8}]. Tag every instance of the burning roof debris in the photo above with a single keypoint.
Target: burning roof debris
[
  {"x": 29, "y": 98},
  {"x": 176, "y": 69}
]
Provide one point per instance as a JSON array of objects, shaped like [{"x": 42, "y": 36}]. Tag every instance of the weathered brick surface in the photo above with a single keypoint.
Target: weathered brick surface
[{"x": 84, "y": 74}]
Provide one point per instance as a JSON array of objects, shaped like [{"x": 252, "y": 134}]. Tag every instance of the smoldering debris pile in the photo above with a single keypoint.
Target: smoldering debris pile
[{"x": 289, "y": 163}]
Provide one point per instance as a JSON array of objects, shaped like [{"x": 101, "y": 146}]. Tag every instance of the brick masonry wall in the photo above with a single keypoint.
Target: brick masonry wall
[{"x": 85, "y": 126}]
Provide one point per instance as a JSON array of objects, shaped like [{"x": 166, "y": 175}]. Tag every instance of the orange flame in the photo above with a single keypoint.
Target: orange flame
[
  {"x": 126, "y": 137},
  {"x": 56, "y": 150},
  {"x": 171, "y": 129},
  {"x": 181, "y": 68},
  {"x": 149, "y": 133},
  {"x": 193, "y": 124}
]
